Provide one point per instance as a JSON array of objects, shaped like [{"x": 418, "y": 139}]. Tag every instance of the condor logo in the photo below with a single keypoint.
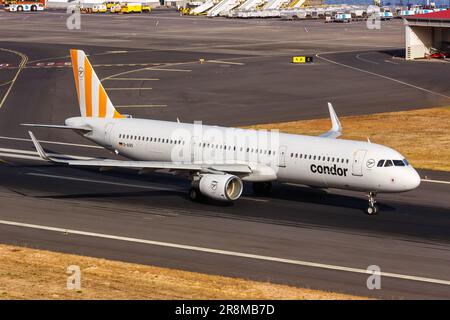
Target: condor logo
[{"x": 334, "y": 171}]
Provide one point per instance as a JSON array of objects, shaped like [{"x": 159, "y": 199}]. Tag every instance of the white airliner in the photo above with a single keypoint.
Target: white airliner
[{"x": 218, "y": 167}]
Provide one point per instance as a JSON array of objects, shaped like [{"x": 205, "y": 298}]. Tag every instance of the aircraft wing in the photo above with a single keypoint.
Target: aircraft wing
[
  {"x": 130, "y": 164},
  {"x": 336, "y": 128},
  {"x": 56, "y": 126}
]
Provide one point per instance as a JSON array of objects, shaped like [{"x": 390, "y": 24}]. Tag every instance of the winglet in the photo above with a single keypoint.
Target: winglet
[
  {"x": 336, "y": 128},
  {"x": 38, "y": 147},
  {"x": 336, "y": 124}
]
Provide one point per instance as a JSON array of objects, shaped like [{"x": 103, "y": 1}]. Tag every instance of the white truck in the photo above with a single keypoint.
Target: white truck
[{"x": 342, "y": 17}]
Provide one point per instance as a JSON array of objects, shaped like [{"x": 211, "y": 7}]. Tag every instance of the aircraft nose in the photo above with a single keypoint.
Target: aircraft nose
[{"x": 413, "y": 179}]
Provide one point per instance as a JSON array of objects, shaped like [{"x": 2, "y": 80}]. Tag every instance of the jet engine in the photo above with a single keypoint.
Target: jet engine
[{"x": 225, "y": 187}]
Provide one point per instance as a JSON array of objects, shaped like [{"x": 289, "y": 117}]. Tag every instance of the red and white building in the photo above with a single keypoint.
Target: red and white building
[{"x": 427, "y": 32}]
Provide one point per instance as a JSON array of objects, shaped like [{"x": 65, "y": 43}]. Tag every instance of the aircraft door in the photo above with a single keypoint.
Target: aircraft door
[
  {"x": 282, "y": 156},
  {"x": 196, "y": 151},
  {"x": 358, "y": 159},
  {"x": 108, "y": 134}
]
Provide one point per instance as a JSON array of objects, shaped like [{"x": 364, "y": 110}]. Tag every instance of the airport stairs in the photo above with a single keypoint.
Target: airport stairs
[
  {"x": 275, "y": 4},
  {"x": 223, "y": 6},
  {"x": 203, "y": 7},
  {"x": 250, "y": 4},
  {"x": 296, "y": 3}
]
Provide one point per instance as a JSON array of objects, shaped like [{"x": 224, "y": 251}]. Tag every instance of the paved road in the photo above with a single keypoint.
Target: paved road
[{"x": 148, "y": 219}]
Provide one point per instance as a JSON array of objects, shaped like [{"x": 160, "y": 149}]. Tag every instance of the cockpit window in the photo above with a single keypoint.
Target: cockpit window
[
  {"x": 388, "y": 163},
  {"x": 399, "y": 163},
  {"x": 406, "y": 162},
  {"x": 380, "y": 163}
]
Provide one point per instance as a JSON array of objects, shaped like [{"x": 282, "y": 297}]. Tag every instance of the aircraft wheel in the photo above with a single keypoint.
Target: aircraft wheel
[
  {"x": 194, "y": 194},
  {"x": 372, "y": 210}
]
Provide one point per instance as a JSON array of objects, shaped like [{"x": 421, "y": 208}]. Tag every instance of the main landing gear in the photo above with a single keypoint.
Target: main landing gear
[{"x": 373, "y": 208}]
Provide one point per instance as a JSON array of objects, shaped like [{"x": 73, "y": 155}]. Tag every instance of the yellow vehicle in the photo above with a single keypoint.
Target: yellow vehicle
[
  {"x": 131, "y": 8},
  {"x": 146, "y": 8},
  {"x": 117, "y": 8},
  {"x": 99, "y": 8},
  {"x": 110, "y": 4},
  {"x": 185, "y": 11}
]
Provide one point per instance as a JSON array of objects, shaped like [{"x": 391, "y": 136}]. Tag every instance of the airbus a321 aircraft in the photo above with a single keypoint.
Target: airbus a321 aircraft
[{"x": 217, "y": 166}]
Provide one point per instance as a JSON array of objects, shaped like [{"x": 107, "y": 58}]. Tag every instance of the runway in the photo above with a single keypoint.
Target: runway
[{"x": 298, "y": 235}]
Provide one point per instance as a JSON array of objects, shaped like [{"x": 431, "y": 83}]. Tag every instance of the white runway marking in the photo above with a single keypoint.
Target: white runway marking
[
  {"x": 134, "y": 79},
  {"x": 102, "y": 182},
  {"x": 384, "y": 77},
  {"x": 224, "y": 252},
  {"x": 165, "y": 69},
  {"x": 122, "y": 184},
  {"x": 53, "y": 142},
  {"x": 117, "y": 89},
  {"x": 436, "y": 181},
  {"x": 358, "y": 56},
  {"x": 143, "y": 106},
  {"x": 225, "y": 62}
]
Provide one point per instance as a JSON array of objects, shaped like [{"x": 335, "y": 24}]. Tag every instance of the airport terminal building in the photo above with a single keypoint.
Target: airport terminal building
[{"x": 426, "y": 32}]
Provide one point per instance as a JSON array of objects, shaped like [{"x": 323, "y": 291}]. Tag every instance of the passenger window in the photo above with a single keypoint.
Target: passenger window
[
  {"x": 380, "y": 163},
  {"x": 292, "y": 155},
  {"x": 398, "y": 163},
  {"x": 388, "y": 163}
]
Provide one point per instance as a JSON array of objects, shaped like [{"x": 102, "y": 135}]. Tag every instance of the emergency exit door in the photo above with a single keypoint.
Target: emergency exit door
[{"x": 358, "y": 160}]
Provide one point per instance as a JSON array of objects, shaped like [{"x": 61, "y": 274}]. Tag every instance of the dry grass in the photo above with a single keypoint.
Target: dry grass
[
  {"x": 423, "y": 136},
  {"x": 36, "y": 274}
]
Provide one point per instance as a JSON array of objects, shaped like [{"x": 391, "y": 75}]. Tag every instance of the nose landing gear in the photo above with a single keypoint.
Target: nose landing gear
[{"x": 373, "y": 208}]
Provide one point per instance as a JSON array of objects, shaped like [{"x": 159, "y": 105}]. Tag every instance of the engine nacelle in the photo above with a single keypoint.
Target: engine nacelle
[{"x": 225, "y": 187}]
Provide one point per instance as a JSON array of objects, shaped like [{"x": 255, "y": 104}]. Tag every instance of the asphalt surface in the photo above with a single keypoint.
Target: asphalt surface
[{"x": 247, "y": 78}]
